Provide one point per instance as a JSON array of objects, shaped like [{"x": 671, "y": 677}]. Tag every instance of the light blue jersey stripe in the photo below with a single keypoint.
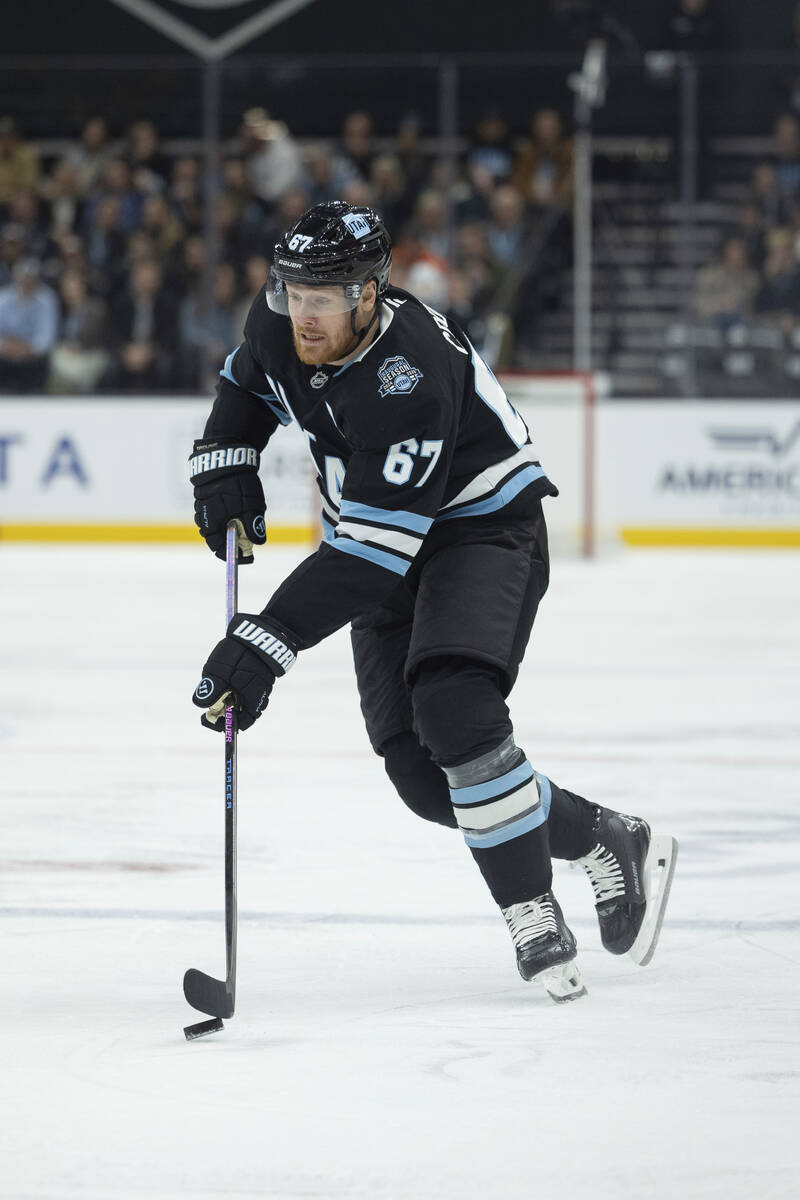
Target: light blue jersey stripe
[
  {"x": 227, "y": 373},
  {"x": 545, "y": 792},
  {"x": 483, "y": 841},
  {"x": 386, "y": 516},
  {"x": 344, "y": 368},
  {"x": 381, "y": 557},
  {"x": 283, "y": 417},
  {"x": 227, "y": 370},
  {"x": 492, "y": 787},
  {"x": 499, "y": 499}
]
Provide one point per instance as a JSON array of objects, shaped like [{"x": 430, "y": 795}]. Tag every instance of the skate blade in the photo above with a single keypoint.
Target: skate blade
[
  {"x": 563, "y": 983},
  {"x": 659, "y": 869}
]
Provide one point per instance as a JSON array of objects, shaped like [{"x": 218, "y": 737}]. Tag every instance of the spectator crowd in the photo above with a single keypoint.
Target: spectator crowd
[
  {"x": 110, "y": 283},
  {"x": 105, "y": 262},
  {"x": 756, "y": 275}
]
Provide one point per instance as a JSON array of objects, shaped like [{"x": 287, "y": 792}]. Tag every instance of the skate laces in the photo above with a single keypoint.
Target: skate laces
[
  {"x": 530, "y": 919},
  {"x": 605, "y": 874}
]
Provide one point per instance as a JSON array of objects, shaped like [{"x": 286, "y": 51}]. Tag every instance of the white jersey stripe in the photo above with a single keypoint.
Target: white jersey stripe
[
  {"x": 392, "y": 539},
  {"x": 483, "y": 818},
  {"x": 488, "y": 480},
  {"x": 331, "y": 512}
]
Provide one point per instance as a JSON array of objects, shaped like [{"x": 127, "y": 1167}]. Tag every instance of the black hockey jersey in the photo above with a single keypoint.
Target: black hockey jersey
[{"x": 414, "y": 432}]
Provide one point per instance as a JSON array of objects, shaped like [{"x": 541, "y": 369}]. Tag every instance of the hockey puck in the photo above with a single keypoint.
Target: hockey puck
[{"x": 202, "y": 1028}]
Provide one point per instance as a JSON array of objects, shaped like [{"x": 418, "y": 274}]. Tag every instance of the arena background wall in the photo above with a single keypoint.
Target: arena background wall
[{"x": 664, "y": 474}]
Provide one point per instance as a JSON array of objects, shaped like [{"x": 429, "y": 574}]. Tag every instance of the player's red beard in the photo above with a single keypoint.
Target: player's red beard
[{"x": 326, "y": 346}]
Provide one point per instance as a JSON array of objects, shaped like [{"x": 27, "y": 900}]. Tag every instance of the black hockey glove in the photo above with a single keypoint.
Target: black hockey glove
[
  {"x": 245, "y": 663},
  {"x": 227, "y": 488}
]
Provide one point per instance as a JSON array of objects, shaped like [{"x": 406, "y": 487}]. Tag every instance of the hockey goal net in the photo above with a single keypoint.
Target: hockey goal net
[{"x": 559, "y": 409}]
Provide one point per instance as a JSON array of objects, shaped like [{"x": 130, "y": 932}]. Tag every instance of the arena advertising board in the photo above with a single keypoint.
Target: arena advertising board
[
  {"x": 115, "y": 469},
  {"x": 700, "y": 473},
  {"x": 679, "y": 473}
]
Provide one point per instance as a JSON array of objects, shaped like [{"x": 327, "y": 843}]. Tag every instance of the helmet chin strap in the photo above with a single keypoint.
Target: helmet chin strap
[{"x": 360, "y": 334}]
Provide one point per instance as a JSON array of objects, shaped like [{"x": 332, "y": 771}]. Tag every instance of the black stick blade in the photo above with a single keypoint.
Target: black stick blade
[
  {"x": 202, "y": 1028},
  {"x": 207, "y": 995}
]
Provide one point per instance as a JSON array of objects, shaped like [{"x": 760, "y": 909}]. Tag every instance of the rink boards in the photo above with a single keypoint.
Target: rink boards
[{"x": 657, "y": 474}]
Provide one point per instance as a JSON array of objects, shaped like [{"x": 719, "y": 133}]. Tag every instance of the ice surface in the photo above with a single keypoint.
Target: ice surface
[{"x": 384, "y": 1046}]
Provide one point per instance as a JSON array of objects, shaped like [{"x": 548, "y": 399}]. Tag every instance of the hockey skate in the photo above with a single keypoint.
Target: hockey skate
[
  {"x": 545, "y": 947},
  {"x": 630, "y": 871}
]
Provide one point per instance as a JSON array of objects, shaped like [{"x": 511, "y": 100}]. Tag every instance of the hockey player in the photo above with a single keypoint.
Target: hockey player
[{"x": 435, "y": 552}]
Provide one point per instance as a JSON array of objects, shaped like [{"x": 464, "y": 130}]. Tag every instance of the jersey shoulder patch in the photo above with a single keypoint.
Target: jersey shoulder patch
[
  {"x": 377, "y": 412},
  {"x": 405, "y": 385},
  {"x": 397, "y": 376}
]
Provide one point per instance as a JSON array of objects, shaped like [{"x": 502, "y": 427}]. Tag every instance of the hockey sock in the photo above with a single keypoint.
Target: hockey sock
[
  {"x": 424, "y": 788},
  {"x": 501, "y": 807},
  {"x": 499, "y": 802},
  {"x": 570, "y": 824}
]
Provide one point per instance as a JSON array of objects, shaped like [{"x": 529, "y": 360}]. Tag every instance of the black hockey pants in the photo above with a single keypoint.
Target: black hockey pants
[{"x": 434, "y": 668}]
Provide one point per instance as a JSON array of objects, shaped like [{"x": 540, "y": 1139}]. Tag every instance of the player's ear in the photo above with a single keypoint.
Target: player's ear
[{"x": 369, "y": 293}]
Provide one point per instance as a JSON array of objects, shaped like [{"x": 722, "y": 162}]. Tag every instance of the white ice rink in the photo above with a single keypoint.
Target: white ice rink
[{"x": 383, "y": 1045}]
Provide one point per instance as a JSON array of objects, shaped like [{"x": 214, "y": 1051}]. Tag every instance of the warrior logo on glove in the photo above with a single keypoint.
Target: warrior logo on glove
[
  {"x": 227, "y": 488},
  {"x": 204, "y": 689},
  {"x": 245, "y": 664},
  {"x": 266, "y": 641}
]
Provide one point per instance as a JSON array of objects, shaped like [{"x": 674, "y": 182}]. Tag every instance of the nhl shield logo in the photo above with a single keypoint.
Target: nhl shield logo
[{"x": 397, "y": 375}]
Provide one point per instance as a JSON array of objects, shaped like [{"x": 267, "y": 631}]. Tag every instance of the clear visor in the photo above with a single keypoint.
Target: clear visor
[{"x": 299, "y": 300}]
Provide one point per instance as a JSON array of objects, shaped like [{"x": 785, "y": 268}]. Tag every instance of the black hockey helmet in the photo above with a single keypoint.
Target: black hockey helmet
[{"x": 332, "y": 243}]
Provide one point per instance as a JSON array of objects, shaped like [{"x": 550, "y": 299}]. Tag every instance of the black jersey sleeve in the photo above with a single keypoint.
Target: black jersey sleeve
[
  {"x": 249, "y": 404},
  {"x": 240, "y": 410},
  {"x": 390, "y": 495},
  {"x": 326, "y": 592}
]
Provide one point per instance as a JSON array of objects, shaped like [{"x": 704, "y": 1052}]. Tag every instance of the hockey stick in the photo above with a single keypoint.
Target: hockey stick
[{"x": 217, "y": 997}]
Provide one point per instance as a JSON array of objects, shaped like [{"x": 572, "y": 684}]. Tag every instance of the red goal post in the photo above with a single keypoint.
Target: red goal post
[{"x": 559, "y": 409}]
